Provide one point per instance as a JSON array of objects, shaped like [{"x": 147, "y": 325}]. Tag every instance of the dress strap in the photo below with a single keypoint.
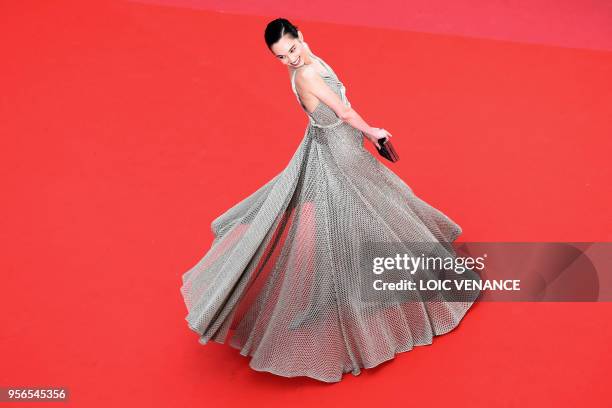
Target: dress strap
[
  {"x": 327, "y": 67},
  {"x": 293, "y": 85}
]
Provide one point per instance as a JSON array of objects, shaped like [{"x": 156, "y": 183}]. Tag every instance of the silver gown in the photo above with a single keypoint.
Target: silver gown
[{"x": 281, "y": 282}]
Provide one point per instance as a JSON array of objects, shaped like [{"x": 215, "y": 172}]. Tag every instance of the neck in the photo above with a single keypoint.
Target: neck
[{"x": 307, "y": 61}]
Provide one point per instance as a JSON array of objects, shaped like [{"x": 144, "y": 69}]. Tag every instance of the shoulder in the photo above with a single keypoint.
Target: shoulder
[{"x": 305, "y": 76}]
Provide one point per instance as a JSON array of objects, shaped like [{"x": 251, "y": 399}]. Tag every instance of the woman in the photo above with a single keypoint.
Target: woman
[{"x": 286, "y": 269}]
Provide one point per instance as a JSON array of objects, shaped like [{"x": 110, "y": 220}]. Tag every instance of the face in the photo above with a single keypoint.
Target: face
[{"x": 289, "y": 51}]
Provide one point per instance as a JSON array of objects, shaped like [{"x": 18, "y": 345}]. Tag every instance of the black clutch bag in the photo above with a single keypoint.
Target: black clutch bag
[{"x": 386, "y": 150}]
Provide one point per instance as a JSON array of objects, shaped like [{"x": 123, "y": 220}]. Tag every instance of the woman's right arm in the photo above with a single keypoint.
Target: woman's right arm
[
  {"x": 371, "y": 133},
  {"x": 312, "y": 82}
]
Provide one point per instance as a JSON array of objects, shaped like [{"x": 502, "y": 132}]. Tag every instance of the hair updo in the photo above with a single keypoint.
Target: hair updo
[{"x": 277, "y": 28}]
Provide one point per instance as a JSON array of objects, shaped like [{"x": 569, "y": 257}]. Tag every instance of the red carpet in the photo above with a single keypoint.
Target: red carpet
[{"x": 116, "y": 119}]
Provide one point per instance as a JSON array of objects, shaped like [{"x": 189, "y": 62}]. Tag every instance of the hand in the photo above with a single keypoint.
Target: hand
[{"x": 376, "y": 134}]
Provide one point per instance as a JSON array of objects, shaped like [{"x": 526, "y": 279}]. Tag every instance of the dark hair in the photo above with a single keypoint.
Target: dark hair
[{"x": 277, "y": 28}]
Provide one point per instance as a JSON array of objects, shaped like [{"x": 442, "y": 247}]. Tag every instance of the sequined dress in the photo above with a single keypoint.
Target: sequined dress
[{"x": 281, "y": 281}]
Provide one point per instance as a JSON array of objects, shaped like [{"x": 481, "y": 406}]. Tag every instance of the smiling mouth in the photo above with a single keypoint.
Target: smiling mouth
[{"x": 296, "y": 62}]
